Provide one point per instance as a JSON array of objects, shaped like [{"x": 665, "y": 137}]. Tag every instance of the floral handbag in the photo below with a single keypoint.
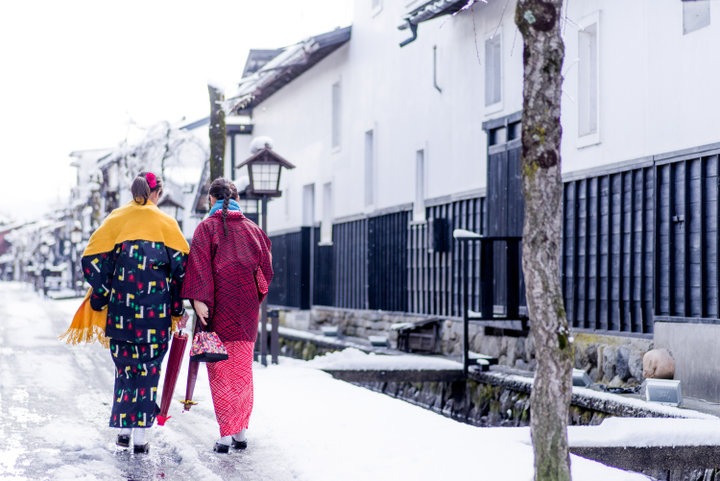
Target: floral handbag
[{"x": 207, "y": 347}]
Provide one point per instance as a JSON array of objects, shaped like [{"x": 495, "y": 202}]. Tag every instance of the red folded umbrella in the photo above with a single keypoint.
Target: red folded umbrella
[
  {"x": 177, "y": 349},
  {"x": 192, "y": 376}
]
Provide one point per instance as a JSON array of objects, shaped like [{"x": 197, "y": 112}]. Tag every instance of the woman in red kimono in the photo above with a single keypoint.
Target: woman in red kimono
[{"x": 228, "y": 254}]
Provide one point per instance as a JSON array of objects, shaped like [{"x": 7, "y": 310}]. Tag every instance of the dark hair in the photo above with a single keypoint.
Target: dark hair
[
  {"x": 140, "y": 188},
  {"x": 221, "y": 189},
  {"x": 233, "y": 190}
]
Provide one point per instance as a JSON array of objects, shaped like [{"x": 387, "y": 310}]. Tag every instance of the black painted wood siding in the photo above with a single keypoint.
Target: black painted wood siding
[
  {"x": 607, "y": 254},
  {"x": 642, "y": 244},
  {"x": 290, "y": 286},
  {"x": 324, "y": 273},
  {"x": 434, "y": 277},
  {"x": 686, "y": 248},
  {"x": 387, "y": 261},
  {"x": 350, "y": 257}
]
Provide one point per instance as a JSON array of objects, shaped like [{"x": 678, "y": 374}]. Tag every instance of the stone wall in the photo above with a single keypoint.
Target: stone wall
[{"x": 611, "y": 360}]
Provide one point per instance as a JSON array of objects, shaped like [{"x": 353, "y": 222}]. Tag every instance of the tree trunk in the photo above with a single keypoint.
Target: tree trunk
[
  {"x": 217, "y": 134},
  {"x": 543, "y": 53}
]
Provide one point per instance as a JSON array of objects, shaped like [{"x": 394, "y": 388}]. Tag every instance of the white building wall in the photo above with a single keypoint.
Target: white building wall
[
  {"x": 657, "y": 91},
  {"x": 656, "y": 95}
]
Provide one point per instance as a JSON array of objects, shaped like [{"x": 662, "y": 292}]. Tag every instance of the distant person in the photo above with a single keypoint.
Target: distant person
[
  {"x": 134, "y": 263},
  {"x": 229, "y": 258}
]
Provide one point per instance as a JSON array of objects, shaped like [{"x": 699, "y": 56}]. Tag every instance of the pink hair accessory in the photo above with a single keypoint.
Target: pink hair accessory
[{"x": 151, "y": 180}]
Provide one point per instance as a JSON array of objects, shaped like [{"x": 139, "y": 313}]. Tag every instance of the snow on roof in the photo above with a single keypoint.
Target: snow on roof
[{"x": 283, "y": 68}]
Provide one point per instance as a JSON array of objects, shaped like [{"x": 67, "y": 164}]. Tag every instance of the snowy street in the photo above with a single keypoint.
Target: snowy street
[{"x": 55, "y": 402}]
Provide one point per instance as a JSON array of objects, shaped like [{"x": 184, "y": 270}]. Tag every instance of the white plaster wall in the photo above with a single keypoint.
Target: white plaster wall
[
  {"x": 656, "y": 95},
  {"x": 390, "y": 90},
  {"x": 657, "y": 92}
]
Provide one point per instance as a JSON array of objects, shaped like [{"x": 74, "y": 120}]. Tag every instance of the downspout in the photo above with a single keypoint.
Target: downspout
[
  {"x": 413, "y": 29},
  {"x": 435, "y": 69}
]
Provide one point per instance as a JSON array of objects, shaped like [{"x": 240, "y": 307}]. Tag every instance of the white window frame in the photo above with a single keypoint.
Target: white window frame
[
  {"x": 287, "y": 194},
  {"x": 498, "y": 105},
  {"x": 695, "y": 28},
  {"x": 308, "y": 214},
  {"x": 590, "y": 138},
  {"x": 336, "y": 115},
  {"x": 326, "y": 223},
  {"x": 420, "y": 177},
  {"x": 369, "y": 167}
]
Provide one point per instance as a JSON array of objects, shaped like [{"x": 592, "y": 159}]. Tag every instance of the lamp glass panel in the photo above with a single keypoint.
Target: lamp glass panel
[
  {"x": 248, "y": 206},
  {"x": 265, "y": 176}
]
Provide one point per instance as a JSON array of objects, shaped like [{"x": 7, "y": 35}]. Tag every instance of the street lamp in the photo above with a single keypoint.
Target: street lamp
[
  {"x": 264, "y": 169},
  {"x": 44, "y": 252},
  {"x": 171, "y": 207}
]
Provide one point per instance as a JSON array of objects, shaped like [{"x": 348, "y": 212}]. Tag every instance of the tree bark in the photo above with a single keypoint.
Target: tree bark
[
  {"x": 217, "y": 134},
  {"x": 539, "y": 23}
]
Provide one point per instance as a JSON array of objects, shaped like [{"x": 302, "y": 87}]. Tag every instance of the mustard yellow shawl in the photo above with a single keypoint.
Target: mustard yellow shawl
[{"x": 130, "y": 222}]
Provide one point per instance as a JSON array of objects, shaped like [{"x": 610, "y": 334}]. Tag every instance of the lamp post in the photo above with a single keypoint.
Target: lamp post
[
  {"x": 264, "y": 169},
  {"x": 44, "y": 252},
  {"x": 75, "y": 240}
]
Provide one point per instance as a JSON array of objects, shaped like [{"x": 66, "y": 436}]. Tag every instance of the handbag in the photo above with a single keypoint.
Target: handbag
[
  {"x": 261, "y": 283},
  {"x": 207, "y": 347}
]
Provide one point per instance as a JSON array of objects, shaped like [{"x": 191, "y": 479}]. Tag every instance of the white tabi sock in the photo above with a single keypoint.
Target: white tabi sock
[
  {"x": 240, "y": 436},
  {"x": 226, "y": 440},
  {"x": 125, "y": 431},
  {"x": 139, "y": 436}
]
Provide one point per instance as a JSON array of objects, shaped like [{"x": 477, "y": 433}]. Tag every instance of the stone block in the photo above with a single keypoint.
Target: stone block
[
  {"x": 622, "y": 367},
  {"x": 658, "y": 364},
  {"x": 609, "y": 357},
  {"x": 635, "y": 364}
]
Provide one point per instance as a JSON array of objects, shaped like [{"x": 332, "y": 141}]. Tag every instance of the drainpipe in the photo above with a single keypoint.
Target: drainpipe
[
  {"x": 435, "y": 69},
  {"x": 413, "y": 29}
]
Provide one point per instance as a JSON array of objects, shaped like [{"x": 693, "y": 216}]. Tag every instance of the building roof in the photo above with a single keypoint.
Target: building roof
[
  {"x": 283, "y": 68},
  {"x": 257, "y": 58}
]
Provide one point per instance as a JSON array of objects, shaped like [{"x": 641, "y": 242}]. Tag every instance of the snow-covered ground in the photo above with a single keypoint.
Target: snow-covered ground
[{"x": 55, "y": 401}]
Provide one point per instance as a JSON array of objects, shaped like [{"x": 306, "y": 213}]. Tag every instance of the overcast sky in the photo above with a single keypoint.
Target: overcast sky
[{"x": 76, "y": 73}]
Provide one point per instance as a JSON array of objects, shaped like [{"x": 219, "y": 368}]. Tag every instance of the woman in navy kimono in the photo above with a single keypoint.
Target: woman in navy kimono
[{"x": 134, "y": 263}]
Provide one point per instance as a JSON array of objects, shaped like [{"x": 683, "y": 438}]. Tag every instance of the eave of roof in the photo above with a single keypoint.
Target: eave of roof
[
  {"x": 284, "y": 68},
  {"x": 428, "y": 11},
  {"x": 433, "y": 9}
]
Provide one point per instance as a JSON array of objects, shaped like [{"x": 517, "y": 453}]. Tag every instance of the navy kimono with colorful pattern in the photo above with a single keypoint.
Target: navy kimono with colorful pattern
[{"x": 139, "y": 282}]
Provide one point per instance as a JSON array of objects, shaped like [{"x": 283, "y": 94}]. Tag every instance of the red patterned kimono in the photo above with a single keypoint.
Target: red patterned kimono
[{"x": 221, "y": 272}]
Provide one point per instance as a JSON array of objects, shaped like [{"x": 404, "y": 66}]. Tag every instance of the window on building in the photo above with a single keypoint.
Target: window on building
[
  {"x": 696, "y": 15},
  {"x": 588, "y": 80},
  {"x": 493, "y": 70},
  {"x": 336, "y": 115},
  {"x": 419, "y": 204},
  {"x": 327, "y": 214},
  {"x": 369, "y": 168},
  {"x": 309, "y": 204}
]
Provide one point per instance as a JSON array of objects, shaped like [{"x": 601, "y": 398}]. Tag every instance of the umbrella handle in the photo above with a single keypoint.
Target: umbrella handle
[{"x": 188, "y": 404}]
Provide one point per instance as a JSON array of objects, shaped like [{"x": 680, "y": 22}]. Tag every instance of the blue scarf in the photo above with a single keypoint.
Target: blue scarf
[{"x": 233, "y": 205}]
